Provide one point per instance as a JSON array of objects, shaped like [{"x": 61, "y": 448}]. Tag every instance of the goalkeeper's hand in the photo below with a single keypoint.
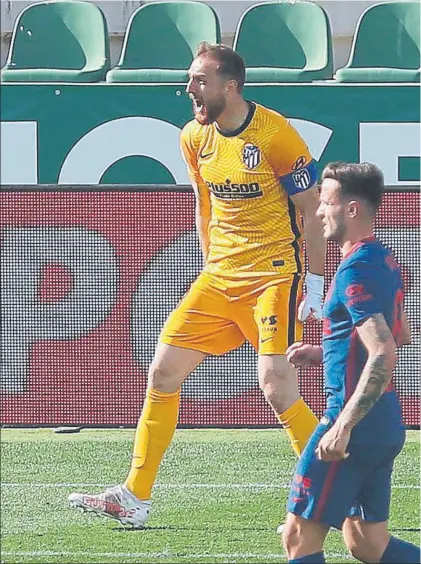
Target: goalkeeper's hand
[{"x": 312, "y": 305}]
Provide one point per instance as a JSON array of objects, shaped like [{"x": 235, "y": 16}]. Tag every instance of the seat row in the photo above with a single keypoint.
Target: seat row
[{"x": 68, "y": 41}]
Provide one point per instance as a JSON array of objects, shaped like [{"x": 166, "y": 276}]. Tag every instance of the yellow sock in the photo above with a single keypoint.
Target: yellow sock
[
  {"x": 154, "y": 432},
  {"x": 299, "y": 423}
]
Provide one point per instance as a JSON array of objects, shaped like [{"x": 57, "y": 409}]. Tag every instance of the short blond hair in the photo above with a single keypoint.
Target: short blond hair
[{"x": 231, "y": 65}]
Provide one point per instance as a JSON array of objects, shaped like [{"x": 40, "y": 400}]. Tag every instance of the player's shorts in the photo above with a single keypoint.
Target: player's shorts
[
  {"x": 215, "y": 317},
  {"x": 329, "y": 492}
]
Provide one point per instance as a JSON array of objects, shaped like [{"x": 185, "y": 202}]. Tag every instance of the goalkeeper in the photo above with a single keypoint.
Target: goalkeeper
[{"x": 253, "y": 176}]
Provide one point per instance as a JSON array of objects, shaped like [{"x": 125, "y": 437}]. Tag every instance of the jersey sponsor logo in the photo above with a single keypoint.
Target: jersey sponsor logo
[
  {"x": 358, "y": 299},
  {"x": 251, "y": 156},
  {"x": 354, "y": 290},
  {"x": 299, "y": 163},
  {"x": 302, "y": 178},
  {"x": 232, "y": 191},
  {"x": 357, "y": 294}
]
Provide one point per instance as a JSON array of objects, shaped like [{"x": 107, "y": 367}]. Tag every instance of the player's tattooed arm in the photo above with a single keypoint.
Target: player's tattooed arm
[{"x": 377, "y": 373}]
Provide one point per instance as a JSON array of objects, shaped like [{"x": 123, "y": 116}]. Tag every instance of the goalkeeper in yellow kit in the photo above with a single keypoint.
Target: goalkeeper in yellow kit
[{"x": 251, "y": 173}]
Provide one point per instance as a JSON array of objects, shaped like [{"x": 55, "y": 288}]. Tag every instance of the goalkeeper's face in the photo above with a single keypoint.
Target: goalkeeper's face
[{"x": 207, "y": 90}]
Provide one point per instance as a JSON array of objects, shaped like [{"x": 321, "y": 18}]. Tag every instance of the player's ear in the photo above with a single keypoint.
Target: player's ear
[
  {"x": 231, "y": 86},
  {"x": 353, "y": 207}
]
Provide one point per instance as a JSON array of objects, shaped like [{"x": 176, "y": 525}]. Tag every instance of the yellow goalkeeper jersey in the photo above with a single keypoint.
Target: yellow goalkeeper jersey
[{"x": 246, "y": 177}]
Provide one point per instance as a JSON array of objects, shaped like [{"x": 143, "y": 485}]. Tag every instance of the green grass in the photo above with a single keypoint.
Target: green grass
[{"x": 192, "y": 521}]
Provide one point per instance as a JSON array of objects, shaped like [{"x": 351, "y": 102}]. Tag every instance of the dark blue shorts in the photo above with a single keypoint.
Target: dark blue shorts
[{"x": 329, "y": 492}]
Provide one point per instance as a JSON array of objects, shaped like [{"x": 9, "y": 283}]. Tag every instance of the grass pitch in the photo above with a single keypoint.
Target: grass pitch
[{"x": 219, "y": 496}]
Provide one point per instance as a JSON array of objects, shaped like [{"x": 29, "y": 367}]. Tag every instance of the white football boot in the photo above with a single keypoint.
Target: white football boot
[{"x": 117, "y": 503}]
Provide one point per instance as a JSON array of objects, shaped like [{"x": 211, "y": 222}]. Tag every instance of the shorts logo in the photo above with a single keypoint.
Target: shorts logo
[
  {"x": 251, "y": 156},
  {"x": 272, "y": 320},
  {"x": 299, "y": 163},
  {"x": 307, "y": 482},
  {"x": 301, "y": 178},
  {"x": 268, "y": 328},
  {"x": 301, "y": 487}
]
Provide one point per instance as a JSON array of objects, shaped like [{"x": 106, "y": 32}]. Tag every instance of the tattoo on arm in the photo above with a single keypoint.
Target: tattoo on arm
[{"x": 378, "y": 370}]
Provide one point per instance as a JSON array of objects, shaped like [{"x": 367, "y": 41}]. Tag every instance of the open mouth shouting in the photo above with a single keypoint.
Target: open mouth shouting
[
  {"x": 206, "y": 113},
  {"x": 199, "y": 108}
]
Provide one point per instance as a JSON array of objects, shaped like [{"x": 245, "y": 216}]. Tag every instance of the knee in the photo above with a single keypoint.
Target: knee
[
  {"x": 160, "y": 377},
  {"x": 355, "y": 547},
  {"x": 269, "y": 384},
  {"x": 360, "y": 552},
  {"x": 303, "y": 536},
  {"x": 279, "y": 387},
  {"x": 361, "y": 549},
  {"x": 366, "y": 542}
]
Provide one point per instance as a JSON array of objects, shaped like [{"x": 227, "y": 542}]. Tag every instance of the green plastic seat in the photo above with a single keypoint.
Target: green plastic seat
[
  {"x": 283, "y": 42},
  {"x": 386, "y": 45},
  {"x": 161, "y": 40},
  {"x": 58, "y": 42}
]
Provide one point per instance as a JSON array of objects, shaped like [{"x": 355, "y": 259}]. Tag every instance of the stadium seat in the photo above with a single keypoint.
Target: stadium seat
[
  {"x": 284, "y": 42},
  {"x": 161, "y": 39},
  {"x": 386, "y": 46},
  {"x": 58, "y": 42}
]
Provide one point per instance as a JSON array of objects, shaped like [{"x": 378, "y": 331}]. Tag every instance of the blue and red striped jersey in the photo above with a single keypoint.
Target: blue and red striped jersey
[{"x": 367, "y": 282}]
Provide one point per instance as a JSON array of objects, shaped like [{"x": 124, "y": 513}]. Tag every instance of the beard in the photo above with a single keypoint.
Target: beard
[
  {"x": 337, "y": 234},
  {"x": 207, "y": 113}
]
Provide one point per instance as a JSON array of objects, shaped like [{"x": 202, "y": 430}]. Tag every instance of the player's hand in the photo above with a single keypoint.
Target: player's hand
[
  {"x": 332, "y": 446},
  {"x": 301, "y": 355},
  {"x": 311, "y": 308}
]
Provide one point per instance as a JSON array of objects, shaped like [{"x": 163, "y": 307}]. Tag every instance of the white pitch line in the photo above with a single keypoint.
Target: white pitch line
[
  {"x": 165, "y": 554},
  {"x": 245, "y": 486},
  {"x": 158, "y": 486}
]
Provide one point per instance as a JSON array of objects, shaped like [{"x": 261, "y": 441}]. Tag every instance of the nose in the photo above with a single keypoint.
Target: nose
[
  {"x": 320, "y": 210},
  {"x": 189, "y": 87}
]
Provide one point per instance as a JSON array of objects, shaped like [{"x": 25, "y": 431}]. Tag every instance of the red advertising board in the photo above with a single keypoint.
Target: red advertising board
[{"x": 88, "y": 277}]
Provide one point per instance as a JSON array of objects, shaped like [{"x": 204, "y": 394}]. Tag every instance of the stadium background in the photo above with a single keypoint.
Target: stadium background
[
  {"x": 343, "y": 16},
  {"x": 89, "y": 273}
]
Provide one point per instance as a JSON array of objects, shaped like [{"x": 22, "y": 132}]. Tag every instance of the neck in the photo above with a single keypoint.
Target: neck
[
  {"x": 349, "y": 242},
  {"x": 234, "y": 115}
]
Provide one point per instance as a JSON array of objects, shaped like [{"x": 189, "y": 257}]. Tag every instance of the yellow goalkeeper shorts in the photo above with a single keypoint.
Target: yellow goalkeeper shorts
[{"x": 216, "y": 315}]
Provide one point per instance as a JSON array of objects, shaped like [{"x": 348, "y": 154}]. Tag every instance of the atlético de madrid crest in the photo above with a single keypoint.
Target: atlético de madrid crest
[{"x": 251, "y": 155}]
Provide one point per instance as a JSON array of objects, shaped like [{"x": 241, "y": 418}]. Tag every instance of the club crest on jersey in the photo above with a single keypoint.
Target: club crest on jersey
[
  {"x": 251, "y": 156},
  {"x": 302, "y": 178}
]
